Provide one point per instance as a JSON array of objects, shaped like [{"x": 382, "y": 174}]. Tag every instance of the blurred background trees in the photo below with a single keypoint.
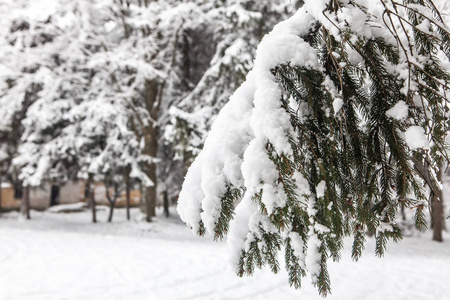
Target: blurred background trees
[
  {"x": 119, "y": 92},
  {"x": 108, "y": 91}
]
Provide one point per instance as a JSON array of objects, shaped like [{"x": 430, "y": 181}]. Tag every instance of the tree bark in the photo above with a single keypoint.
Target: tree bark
[
  {"x": 437, "y": 213},
  {"x": 437, "y": 208},
  {"x": 93, "y": 209},
  {"x": 422, "y": 167},
  {"x": 152, "y": 89},
  {"x": 111, "y": 212},
  {"x": 111, "y": 200},
  {"x": 166, "y": 204},
  {"x": 91, "y": 198},
  {"x": 111, "y": 206},
  {"x": 127, "y": 189},
  {"x": 26, "y": 202}
]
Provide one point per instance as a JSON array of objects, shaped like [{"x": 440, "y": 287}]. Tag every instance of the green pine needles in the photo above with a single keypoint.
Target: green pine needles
[{"x": 364, "y": 121}]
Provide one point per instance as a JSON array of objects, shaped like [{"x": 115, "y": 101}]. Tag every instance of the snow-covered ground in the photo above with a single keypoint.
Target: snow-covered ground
[{"x": 64, "y": 256}]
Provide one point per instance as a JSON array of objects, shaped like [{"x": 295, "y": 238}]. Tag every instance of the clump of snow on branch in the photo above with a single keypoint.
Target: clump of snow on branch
[
  {"x": 399, "y": 111},
  {"x": 415, "y": 137}
]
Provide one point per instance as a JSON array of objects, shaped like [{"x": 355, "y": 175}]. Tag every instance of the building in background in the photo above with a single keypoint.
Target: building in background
[{"x": 49, "y": 195}]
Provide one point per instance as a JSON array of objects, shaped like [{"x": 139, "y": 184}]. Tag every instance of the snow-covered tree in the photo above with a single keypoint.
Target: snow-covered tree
[
  {"x": 232, "y": 32},
  {"x": 137, "y": 56},
  {"x": 340, "y": 122},
  {"x": 195, "y": 53},
  {"x": 79, "y": 122},
  {"x": 29, "y": 41}
]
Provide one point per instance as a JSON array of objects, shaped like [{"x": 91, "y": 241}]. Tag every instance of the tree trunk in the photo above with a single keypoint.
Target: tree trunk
[
  {"x": 26, "y": 202},
  {"x": 437, "y": 208},
  {"x": 150, "y": 201},
  {"x": 422, "y": 168},
  {"x": 152, "y": 88},
  {"x": 111, "y": 211},
  {"x": 166, "y": 204},
  {"x": 437, "y": 213},
  {"x": 93, "y": 209},
  {"x": 127, "y": 189},
  {"x": 111, "y": 200},
  {"x": 91, "y": 198}
]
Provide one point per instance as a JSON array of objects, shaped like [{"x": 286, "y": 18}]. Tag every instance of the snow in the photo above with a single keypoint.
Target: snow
[
  {"x": 226, "y": 156},
  {"x": 320, "y": 189},
  {"x": 298, "y": 245},
  {"x": 5, "y": 185},
  {"x": 67, "y": 208},
  {"x": 240, "y": 228},
  {"x": 235, "y": 156},
  {"x": 313, "y": 256},
  {"x": 337, "y": 105},
  {"x": 399, "y": 111},
  {"x": 415, "y": 138},
  {"x": 63, "y": 256},
  {"x": 236, "y": 150}
]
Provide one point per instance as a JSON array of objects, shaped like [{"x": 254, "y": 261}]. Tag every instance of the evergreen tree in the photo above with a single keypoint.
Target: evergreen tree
[
  {"x": 341, "y": 122},
  {"x": 234, "y": 31},
  {"x": 29, "y": 71},
  {"x": 78, "y": 123}
]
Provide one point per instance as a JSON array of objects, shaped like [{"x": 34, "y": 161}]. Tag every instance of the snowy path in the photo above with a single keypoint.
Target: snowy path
[{"x": 62, "y": 257}]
